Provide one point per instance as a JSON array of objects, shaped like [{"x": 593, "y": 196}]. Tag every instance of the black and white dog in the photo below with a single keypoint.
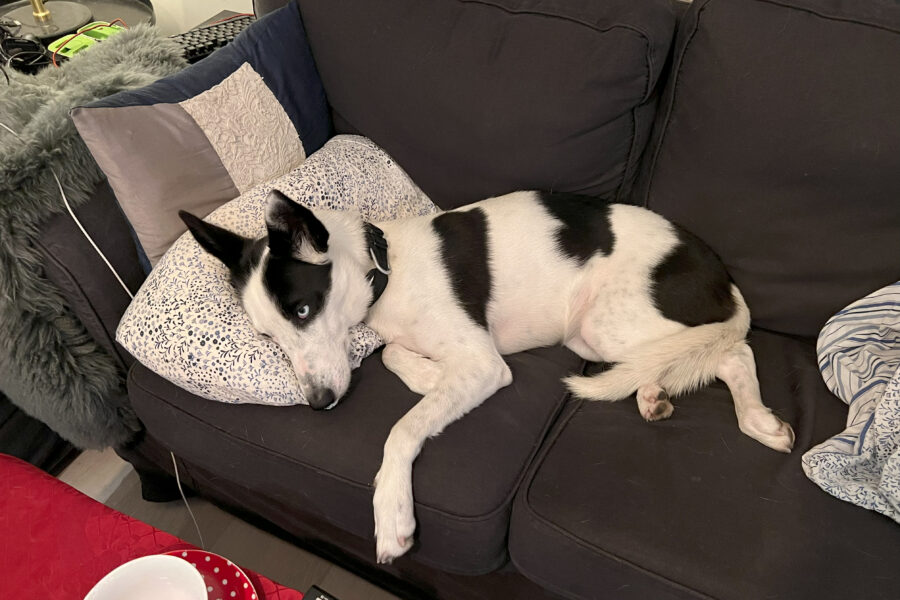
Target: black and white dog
[{"x": 612, "y": 282}]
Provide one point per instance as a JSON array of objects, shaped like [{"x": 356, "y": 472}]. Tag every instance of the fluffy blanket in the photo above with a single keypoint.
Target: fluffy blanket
[
  {"x": 49, "y": 365},
  {"x": 859, "y": 357}
]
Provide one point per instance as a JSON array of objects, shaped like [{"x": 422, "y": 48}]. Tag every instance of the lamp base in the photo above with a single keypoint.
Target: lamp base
[{"x": 65, "y": 17}]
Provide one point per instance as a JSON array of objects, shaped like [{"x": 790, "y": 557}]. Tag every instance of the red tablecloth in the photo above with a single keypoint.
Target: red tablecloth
[{"x": 56, "y": 543}]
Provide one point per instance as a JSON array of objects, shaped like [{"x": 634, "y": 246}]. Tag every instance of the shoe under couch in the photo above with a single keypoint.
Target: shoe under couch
[{"x": 767, "y": 128}]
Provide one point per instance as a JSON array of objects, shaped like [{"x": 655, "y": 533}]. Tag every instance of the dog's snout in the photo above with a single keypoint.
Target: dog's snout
[{"x": 322, "y": 398}]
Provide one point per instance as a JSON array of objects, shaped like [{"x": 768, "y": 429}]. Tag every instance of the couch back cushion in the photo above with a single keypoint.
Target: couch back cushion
[
  {"x": 481, "y": 98},
  {"x": 778, "y": 142}
]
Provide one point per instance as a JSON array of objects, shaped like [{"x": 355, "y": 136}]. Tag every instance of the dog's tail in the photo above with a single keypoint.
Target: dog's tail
[{"x": 679, "y": 363}]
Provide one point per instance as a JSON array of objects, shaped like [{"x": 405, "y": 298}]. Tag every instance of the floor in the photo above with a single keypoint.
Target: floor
[{"x": 108, "y": 479}]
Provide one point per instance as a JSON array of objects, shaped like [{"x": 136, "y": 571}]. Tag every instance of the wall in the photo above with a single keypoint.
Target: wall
[{"x": 176, "y": 16}]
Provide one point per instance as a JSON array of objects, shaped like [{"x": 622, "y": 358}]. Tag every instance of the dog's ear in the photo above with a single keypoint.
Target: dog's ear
[
  {"x": 291, "y": 225},
  {"x": 228, "y": 247}
]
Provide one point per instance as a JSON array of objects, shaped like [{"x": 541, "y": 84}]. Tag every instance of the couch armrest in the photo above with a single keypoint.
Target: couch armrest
[{"x": 72, "y": 264}]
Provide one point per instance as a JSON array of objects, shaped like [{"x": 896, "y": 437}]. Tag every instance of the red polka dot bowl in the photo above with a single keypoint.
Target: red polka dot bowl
[{"x": 224, "y": 580}]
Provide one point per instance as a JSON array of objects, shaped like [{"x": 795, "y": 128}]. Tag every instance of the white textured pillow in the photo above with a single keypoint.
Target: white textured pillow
[{"x": 186, "y": 322}]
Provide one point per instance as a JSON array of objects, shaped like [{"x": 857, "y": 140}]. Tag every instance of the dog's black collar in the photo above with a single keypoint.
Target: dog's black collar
[{"x": 378, "y": 246}]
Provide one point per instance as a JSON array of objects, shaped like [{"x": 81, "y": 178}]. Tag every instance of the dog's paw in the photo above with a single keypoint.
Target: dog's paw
[
  {"x": 653, "y": 403},
  {"x": 395, "y": 522},
  {"x": 767, "y": 429}
]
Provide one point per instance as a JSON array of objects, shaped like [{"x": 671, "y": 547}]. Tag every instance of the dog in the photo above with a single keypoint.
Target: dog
[{"x": 452, "y": 293}]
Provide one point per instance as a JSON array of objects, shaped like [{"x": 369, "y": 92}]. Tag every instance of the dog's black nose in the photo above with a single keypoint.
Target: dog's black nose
[{"x": 321, "y": 398}]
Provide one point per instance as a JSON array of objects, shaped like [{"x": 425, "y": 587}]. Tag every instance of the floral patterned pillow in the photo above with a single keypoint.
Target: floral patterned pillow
[{"x": 186, "y": 322}]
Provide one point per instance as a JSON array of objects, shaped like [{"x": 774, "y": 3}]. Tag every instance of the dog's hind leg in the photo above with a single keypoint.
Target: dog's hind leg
[
  {"x": 653, "y": 403},
  {"x": 466, "y": 381},
  {"x": 420, "y": 374},
  {"x": 737, "y": 369}
]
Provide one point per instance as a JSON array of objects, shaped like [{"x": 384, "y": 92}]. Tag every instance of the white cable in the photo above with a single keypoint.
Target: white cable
[
  {"x": 183, "y": 497},
  {"x": 77, "y": 222}
]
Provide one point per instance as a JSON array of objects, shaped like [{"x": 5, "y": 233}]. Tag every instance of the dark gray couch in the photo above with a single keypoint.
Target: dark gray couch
[{"x": 769, "y": 128}]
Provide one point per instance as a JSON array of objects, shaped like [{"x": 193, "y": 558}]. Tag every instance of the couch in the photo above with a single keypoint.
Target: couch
[{"x": 767, "y": 127}]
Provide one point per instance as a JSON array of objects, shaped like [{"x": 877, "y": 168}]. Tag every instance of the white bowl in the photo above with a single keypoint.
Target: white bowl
[{"x": 154, "y": 577}]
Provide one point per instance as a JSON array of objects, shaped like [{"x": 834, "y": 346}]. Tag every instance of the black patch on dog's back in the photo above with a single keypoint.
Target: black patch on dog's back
[
  {"x": 464, "y": 251},
  {"x": 294, "y": 283},
  {"x": 691, "y": 285},
  {"x": 584, "y": 224}
]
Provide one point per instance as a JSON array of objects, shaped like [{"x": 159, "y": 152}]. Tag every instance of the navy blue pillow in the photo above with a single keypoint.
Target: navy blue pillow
[{"x": 276, "y": 47}]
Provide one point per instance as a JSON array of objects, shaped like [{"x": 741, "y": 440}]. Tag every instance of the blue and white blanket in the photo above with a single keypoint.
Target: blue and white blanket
[{"x": 859, "y": 358}]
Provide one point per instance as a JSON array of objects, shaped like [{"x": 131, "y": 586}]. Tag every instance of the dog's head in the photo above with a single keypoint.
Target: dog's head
[{"x": 302, "y": 285}]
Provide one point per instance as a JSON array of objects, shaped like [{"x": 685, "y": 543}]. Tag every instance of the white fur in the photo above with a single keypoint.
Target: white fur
[{"x": 602, "y": 310}]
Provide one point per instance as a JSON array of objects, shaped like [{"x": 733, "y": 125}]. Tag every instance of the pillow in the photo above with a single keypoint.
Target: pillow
[
  {"x": 250, "y": 112},
  {"x": 477, "y": 99},
  {"x": 186, "y": 322}
]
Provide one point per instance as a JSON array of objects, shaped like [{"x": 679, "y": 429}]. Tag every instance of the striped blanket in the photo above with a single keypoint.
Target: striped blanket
[{"x": 859, "y": 358}]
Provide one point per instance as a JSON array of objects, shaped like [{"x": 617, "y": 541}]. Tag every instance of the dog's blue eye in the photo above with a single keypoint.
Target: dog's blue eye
[{"x": 303, "y": 311}]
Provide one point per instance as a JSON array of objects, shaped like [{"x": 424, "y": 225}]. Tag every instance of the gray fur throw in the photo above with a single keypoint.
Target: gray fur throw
[{"x": 50, "y": 367}]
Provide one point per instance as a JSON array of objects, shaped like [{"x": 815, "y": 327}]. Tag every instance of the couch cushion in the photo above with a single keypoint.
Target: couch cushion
[
  {"x": 476, "y": 99},
  {"x": 324, "y": 462},
  {"x": 690, "y": 507},
  {"x": 779, "y": 144}
]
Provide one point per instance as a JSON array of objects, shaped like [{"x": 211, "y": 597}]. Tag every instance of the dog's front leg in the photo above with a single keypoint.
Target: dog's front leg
[
  {"x": 465, "y": 382},
  {"x": 420, "y": 374}
]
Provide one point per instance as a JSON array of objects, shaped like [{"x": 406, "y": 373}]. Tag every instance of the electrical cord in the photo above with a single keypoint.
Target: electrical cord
[
  {"x": 24, "y": 53},
  {"x": 183, "y": 497},
  {"x": 229, "y": 18}
]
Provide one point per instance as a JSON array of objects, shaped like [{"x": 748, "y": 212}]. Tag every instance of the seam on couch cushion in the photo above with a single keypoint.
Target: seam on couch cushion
[
  {"x": 632, "y": 147},
  {"x": 629, "y": 156},
  {"x": 832, "y": 17},
  {"x": 675, "y": 74},
  {"x": 97, "y": 325},
  {"x": 547, "y": 448},
  {"x": 648, "y": 53},
  {"x": 505, "y": 504}
]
